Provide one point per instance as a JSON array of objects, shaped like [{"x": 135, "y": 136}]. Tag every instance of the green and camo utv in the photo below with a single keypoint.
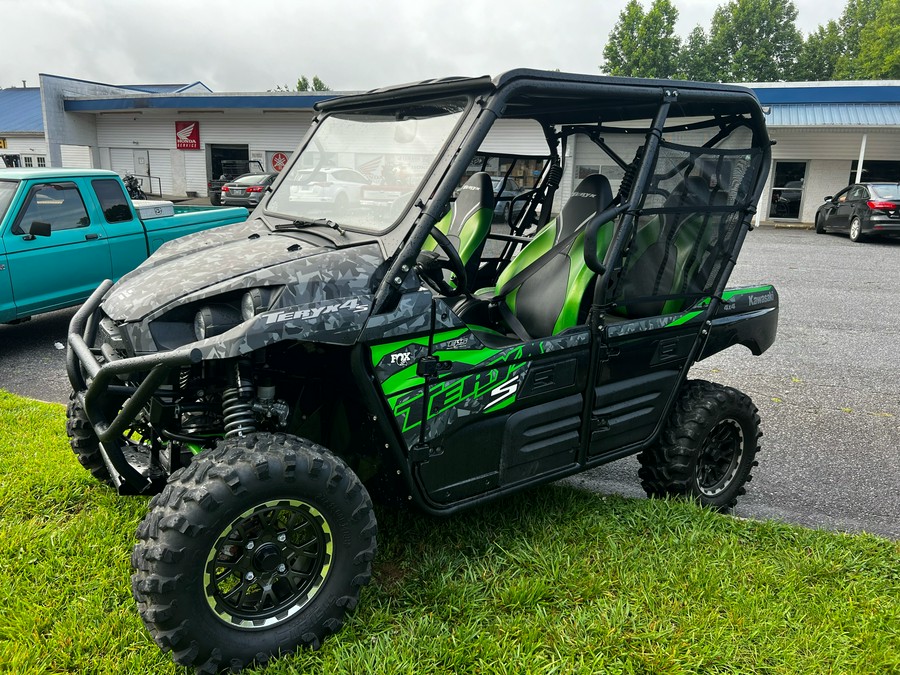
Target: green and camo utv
[{"x": 374, "y": 330}]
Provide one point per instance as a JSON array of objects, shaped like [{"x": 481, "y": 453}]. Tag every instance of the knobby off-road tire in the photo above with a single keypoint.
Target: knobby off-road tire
[
  {"x": 708, "y": 448},
  {"x": 85, "y": 443},
  {"x": 257, "y": 547}
]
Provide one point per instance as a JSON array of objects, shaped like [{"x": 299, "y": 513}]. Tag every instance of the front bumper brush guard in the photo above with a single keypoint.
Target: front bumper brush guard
[{"x": 92, "y": 386}]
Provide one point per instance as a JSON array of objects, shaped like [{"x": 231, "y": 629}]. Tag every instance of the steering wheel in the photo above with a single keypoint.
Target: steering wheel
[{"x": 431, "y": 266}]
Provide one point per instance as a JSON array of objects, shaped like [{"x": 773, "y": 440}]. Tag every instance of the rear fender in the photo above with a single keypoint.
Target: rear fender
[{"x": 746, "y": 316}]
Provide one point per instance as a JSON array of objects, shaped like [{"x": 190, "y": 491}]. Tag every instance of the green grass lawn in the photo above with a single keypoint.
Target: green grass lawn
[{"x": 553, "y": 581}]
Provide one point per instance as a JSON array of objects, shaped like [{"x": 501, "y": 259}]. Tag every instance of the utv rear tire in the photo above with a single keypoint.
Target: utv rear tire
[
  {"x": 708, "y": 448},
  {"x": 820, "y": 227},
  {"x": 84, "y": 442},
  {"x": 259, "y": 546}
]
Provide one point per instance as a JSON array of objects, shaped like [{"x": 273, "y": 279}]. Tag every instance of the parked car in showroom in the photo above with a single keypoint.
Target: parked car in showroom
[
  {"x": 247, "y": 190},
  {"x": 862, "y": 210}
]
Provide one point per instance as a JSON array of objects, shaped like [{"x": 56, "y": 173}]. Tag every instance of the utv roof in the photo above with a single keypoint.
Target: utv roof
[{"x": 565, "y": 97}]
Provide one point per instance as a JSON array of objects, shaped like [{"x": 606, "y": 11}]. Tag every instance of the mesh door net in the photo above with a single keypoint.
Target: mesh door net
[{"x": 687, "y": 228}]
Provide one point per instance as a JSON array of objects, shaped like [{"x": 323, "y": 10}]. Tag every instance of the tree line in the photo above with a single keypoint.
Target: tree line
[{"x": 756, "y": 41}]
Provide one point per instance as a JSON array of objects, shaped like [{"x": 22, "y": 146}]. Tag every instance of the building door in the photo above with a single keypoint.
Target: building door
[
  {"x": 226, "y": 160},
  {"x": 142, "y": 169},
  {"x": 787, "y": 190}
]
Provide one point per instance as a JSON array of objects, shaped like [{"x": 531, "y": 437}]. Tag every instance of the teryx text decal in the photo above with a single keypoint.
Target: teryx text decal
[{"x": 314, "y": 312}]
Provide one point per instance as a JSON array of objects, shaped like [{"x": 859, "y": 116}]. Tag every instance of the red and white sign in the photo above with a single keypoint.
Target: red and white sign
[
  {"x": 279, "y": 160},
  {"x": 187, "y": 135}
]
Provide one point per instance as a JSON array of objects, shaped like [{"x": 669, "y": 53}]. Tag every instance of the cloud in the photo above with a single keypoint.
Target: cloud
[{"x": 350, "y": 44}]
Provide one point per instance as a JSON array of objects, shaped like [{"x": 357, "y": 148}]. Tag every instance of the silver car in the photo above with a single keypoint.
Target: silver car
[{"x": 247, "y": 190}]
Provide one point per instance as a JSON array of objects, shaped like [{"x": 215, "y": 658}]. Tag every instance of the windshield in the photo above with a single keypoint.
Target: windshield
[
  {"x": 7, "y": 190},
  {"x": 880, "y": 191},
  {"x": 360, "y": 170}
]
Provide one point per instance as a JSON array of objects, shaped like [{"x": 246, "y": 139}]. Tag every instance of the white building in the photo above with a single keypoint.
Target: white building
[{"x": 827, "y": 134}]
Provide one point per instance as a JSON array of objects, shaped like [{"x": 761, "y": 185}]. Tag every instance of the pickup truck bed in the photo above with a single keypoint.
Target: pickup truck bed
[{"x": 63, "y": 231}]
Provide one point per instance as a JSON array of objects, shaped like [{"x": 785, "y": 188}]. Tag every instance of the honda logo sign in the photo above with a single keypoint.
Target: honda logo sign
[{"x": 187, "y": 135}]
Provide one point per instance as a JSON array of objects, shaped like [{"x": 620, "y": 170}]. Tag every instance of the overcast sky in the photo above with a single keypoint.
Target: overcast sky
[{"x": 253, "y": 45}]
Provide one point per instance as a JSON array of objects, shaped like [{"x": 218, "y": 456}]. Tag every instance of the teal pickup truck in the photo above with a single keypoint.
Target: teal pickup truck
[{"x": 63, "y": 231}]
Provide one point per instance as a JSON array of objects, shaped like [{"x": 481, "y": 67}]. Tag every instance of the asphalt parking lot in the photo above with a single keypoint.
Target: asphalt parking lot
[{"x": 828, "y": 390}]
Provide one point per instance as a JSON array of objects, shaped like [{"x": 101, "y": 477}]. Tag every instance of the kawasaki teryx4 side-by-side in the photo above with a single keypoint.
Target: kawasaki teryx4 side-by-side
[{"x": 387, "y": 336}]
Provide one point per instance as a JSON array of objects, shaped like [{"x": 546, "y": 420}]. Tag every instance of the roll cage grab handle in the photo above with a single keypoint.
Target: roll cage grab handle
[{"x": 631, "y": 208}]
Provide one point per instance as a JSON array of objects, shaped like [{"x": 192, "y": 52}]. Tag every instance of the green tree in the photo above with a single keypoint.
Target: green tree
[
  {"x": 303, "y": 84},
  {"x": 643, "y": 44},
  {"x": 695, "y": 62},
  {"x": 856, "y": 20},
  {"x": 879, "y": 44},
  {"x": 820, "y": 53},
  {"x": 755, "y": 40}
]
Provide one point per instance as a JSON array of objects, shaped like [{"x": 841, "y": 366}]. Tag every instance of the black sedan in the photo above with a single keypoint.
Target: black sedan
[
  {"x": 862, "y": 210},
  {"x": 247, "y": 190}
]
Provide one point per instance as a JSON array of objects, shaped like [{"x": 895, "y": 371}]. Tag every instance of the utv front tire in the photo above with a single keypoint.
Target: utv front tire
[
  {"x": 708, "y": 448},
  {"x": 258, "y": 547},
  {"x": 84, "y": 442}
]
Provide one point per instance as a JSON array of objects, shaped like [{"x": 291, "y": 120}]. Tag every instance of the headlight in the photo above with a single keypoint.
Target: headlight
[
  {"x": 214, "y": 320},
  {"x": 256, "y": 301}
]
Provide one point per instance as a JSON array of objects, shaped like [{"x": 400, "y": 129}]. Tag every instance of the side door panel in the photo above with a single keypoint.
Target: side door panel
[
  {"x": 125, "y": 231},
  {"x": 7, "y": 305},
  {"x": 646, "y": 357},
  {"x": 62, "y": 269},
  {"x": 502, "y": 414}
]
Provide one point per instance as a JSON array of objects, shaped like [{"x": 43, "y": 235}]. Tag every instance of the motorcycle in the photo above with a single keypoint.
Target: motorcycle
[{"x": 133, "y": 185}]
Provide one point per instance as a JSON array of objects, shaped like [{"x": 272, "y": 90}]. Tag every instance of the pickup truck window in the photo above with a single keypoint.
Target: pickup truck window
[
  {"x": 7, "y": 190},
  {"x": 112, "y": 200},
  {"x": 59, "y": 204}
]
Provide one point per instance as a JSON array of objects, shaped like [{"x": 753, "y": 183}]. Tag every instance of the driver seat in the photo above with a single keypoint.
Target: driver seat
[
  {"x": 468, "y": 223},
  {"x": 540, "y": 292}
]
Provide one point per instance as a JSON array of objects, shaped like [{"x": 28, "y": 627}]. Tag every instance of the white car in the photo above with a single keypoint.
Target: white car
[{"x": 339, "y": 187}]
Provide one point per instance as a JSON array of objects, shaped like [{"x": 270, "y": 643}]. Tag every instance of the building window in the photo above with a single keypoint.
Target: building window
[
  {"x": 42, "y": 162},
  {"x": 875, "y": 171},
  {"x": 787, "y": 190},
  {"x": 27, "y": 162}
]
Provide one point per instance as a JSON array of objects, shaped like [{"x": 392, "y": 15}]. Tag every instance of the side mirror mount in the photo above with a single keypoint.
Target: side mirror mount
[{"x": 38, "y": 229}]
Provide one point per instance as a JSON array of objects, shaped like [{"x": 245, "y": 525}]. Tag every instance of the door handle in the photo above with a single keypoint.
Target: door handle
[{"x": 91, "y": 236}]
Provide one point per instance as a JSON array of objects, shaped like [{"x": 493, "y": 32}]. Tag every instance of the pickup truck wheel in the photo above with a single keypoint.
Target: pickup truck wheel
[
  {"x": 256, "y": 548},
  {"x": 84, "y": 442},
  {"x": 215, "y": 199},
  {"x": 707, "y": 449}
]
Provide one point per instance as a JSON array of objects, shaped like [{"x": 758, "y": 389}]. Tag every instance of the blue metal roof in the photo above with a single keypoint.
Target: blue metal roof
[
  {"x": 20, "y": 111},
  {"x": 834, "y": 114},
  {"x": 813, "y": 92}
]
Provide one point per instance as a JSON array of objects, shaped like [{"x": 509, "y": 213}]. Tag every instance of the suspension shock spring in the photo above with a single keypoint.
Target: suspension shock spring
[{"x": 237, "y": 408}]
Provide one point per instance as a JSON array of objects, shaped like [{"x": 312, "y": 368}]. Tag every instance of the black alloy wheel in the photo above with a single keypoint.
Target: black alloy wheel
[
  {"x": 708, "y": 448},
  {"x": 258, "y": 547}
]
